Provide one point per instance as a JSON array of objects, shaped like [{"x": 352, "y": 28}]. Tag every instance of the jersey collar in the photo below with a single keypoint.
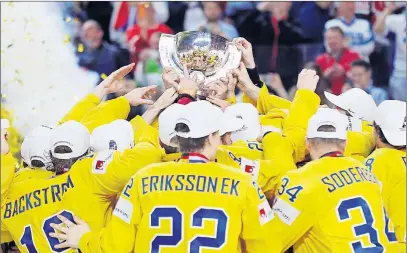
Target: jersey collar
[
  {"x": 193, "y": 158},
  {"x": 333, "y": 154}
]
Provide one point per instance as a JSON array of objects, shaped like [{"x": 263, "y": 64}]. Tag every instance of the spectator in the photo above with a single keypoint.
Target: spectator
[
  {"x": 312, "y": 17},
  {"x": 124, "y": 16},
  {"x": 139, "y": 35},
  {"x": 336, "y": 63},
  {"x": 396, "y": 24},
  {"x": 101, "y": 12},
  {"x": 361, "y": 77},
  {"x": 214, "y": 12},
  {"x": 358, "y": 31},
  {"x": 149, "y": 70},
  {"x": 99, "y": 55}
]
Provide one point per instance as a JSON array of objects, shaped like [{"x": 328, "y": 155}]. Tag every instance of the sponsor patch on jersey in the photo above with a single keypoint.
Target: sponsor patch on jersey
[
  {"x": 251, "y": 167},
  {"x": 354, "y": 124},
  {"x": 101, "y": 162},
  {"x": 265, "y": 213},
  {"x": 123, "y": 210},
  {"x": 286, "y": 212}
]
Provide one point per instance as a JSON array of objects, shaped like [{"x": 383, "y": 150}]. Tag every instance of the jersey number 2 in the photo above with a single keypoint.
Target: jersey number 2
[
  {"x": 177, "y": 227},
  {"x": 27, "y": 237}
]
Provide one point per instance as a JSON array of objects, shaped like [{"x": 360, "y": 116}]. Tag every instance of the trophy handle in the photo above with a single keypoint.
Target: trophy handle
[{"x": 167, "y": 49}]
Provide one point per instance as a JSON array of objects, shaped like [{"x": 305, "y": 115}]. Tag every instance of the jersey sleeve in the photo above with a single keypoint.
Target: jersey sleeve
[
  {"x": 266, "y": 102},
  {"x": 304, "y": 105},
  {"x": 120, "y": 233},
  {"x": 360, "y": 143},
  {"x": 81, "y": 108},
  {"x": 144, "y": 132},
  {"x": 256, "y": 213},
  {"x": 106, "y": 112},
  {"x": 294, "y": 213},
  {"x": 5, "y": 235},
  {"x": 271, "y": 172},
  {"x": 7, "y": 175},
  {"x": 112, "y": 169}
]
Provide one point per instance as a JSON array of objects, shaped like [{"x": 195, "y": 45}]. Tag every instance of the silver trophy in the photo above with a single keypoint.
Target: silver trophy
[{"x": 206, "y": 55}]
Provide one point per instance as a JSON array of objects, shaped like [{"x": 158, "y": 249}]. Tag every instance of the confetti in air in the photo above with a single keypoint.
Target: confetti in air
[
  {"x": 80, "y": 48},
  {"x": 38, "y": 60}
]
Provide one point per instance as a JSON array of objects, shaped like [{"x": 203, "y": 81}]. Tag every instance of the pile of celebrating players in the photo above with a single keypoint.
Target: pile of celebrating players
[{"x": 262, "y": 175}]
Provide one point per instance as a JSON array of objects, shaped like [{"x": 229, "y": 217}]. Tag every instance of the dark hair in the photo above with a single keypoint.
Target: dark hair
[
  {"x": 325, "y": 141},
  {"x": 37, "y": 163},
  {"x": 337, "y": 29},
  {"x": 382, "y": 138},
  {"x": 60, "y": 165},
  {"x": 362, "y": 63},
  {"x": 169, "y": 149},
  {"x": 187, "y": 145}
]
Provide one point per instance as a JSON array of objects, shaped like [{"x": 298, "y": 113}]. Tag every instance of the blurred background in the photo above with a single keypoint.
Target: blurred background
[{"x": 54, "y": 53}]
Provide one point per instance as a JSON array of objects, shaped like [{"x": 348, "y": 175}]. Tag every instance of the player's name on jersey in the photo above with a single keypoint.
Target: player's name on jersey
[
  {"x": 348, "y": 177},
  {"x": 221, "y": 185},
  {"x": 39, "y": 197}
]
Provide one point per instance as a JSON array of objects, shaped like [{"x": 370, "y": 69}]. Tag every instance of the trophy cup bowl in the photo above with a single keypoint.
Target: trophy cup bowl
[{"x": 207, "y": 55}]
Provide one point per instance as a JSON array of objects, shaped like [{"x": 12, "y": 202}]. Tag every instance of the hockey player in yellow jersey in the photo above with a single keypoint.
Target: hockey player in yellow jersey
[
  {"x": 92, "y": 184},
  {"x": 388, "y": 162},
  {"x": 332, "y": 204},
  {"x": 360, "y": 108},
  {"x": 169, "y": 207},
  {"x": 7, "y": 163}
]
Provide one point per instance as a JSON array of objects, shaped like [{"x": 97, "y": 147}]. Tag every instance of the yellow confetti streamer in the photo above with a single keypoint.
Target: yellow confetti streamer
[
  {"x": 4, "y": 95},
  {"x": 76, "y": 20},
  {"x": 80, "y": 48},
  {"x": 68, "y": 19},
  {"x": 103, "y": 76},
  {"x": 28, "y": 37},
  {"x": 67, "y": 39}
]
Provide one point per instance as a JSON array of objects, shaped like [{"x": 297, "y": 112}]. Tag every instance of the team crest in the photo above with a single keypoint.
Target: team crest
[{"x": 112, "y": 145}]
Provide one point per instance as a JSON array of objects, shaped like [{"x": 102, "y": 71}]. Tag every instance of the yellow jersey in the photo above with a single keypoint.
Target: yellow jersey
[
  {"x": 332, "y": 204},
  {"x": 87, "y": 190},
  {"x": 389, "y": 166},
  {"x": 80, "y": 109},
  {"x": 193, "y": 207},
  {"x": 8, "y": 169},
  {"x": 31, "y": 173},
  {"x": 360, "y": 143}
]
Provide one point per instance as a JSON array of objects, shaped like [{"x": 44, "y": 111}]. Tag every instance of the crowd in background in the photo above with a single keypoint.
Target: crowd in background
[{"x": 365, "y": 48}]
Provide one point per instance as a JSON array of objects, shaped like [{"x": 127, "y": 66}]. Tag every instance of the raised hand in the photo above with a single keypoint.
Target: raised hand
[
  {"x": 188, "y": 84},
  {"x": 247, "y": 52},
  {"x": 140, "y": 96},
  {"x": 230, "y": 83},
  {"x": 71, "y": 233},
  {"x": 170, "y": 78},
  {"x": 167, "y": 98},
  {"x": 307, "y": 79},
  {"x": 243, "y": 78},
  {"x": 223, "y": 104},
  {"x": 113, "y": 83}
]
